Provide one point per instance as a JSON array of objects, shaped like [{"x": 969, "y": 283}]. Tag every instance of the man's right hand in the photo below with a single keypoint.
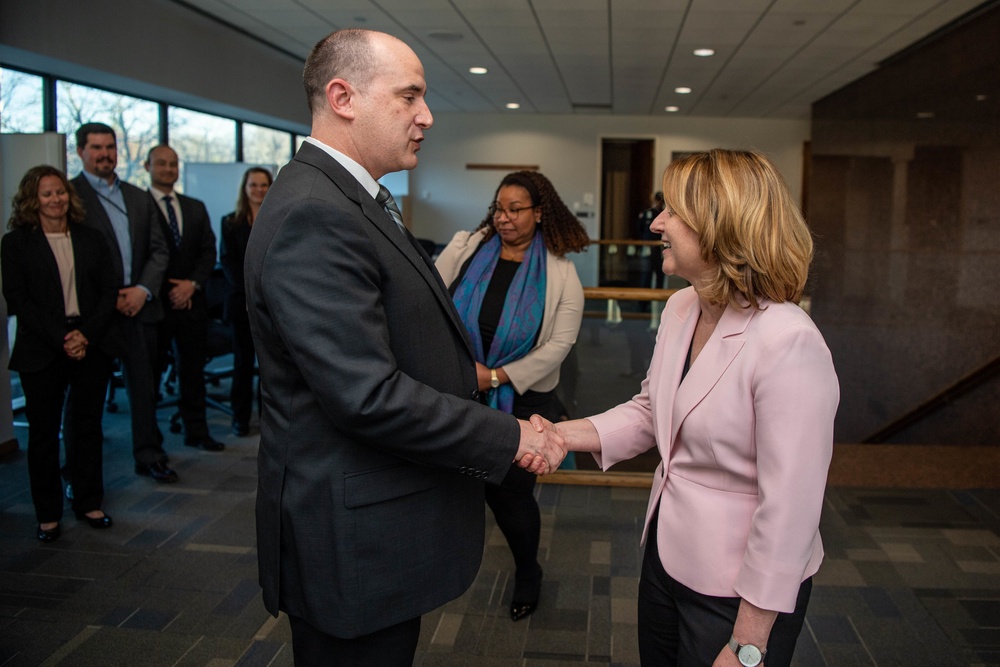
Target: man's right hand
[{"x": 541, "y": 449}]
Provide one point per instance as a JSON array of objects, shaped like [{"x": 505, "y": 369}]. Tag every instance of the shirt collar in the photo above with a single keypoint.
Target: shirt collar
[
  {"x": 160, "y": 194},
  {"x": 98, "y": 182},
  {"x": 356, "y": 170}
]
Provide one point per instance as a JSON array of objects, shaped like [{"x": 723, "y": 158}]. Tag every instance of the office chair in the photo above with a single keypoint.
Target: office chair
[{"x": 219, "y": 344}]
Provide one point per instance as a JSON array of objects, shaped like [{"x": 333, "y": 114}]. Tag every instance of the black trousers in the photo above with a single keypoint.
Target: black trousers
[
  {"x": 679, "y": 627},
  {"x": 141, "y": 384},
  {"x": 394, "y": 646},
  {"x": 80, "y": 386},
  {"x": 513, "y": 502},
  {"x": 188, "y": 339},
  {"x": 241, "y": 388}
]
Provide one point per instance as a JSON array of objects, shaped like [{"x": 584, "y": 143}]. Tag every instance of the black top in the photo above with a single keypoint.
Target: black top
[{"x": 493, "y": 300}]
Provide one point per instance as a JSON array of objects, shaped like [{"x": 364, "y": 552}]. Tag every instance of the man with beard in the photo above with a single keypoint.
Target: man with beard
[{"x": 126, "y": 216}]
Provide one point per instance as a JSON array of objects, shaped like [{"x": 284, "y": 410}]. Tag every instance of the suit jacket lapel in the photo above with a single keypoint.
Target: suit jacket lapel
[
  {"x": 95, "y": 211},
  {"x": 44, "y": 250},
  {"x": 680, "y": 326},
  {"x": 713, "y": 360},
  {"x": 386, "y": 225}
]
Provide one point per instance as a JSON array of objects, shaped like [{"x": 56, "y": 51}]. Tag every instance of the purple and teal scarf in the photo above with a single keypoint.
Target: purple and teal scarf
[{"x": 522, "y": 314}]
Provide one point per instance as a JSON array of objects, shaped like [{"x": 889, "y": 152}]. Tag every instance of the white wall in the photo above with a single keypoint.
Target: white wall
[{"x": 445, "y": 197}]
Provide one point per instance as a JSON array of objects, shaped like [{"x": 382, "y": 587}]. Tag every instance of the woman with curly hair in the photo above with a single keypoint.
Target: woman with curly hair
[
  {"x": 739, "y": 399},
  {"x": 58, "y": 281},
  {"x": 522, "y": 302}
]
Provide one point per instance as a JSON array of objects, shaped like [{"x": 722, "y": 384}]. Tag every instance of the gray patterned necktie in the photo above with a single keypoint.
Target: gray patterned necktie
[{"x": 385, "y": 200}]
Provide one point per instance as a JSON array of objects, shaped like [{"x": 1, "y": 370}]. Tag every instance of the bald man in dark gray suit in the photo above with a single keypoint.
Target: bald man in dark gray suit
[{"x": 374, "y": 449}]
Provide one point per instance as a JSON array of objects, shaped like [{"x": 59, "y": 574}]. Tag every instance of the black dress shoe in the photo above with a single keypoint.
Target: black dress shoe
[
  {"x": 526, "y": 594},
  {"x": 98, "y": 523},
  {"x": 50, "y": 535},
  {"x": 241, "y": 429},
  {"x": 158, "y": 471},
  {"x": 208, "y": 443}
]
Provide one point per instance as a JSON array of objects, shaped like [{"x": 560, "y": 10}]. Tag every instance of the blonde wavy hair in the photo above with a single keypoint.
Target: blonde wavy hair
[{"x": 750, "y": 230}]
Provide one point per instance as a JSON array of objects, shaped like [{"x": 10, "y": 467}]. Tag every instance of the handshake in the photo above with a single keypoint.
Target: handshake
[{"x": 542, "y": 447}]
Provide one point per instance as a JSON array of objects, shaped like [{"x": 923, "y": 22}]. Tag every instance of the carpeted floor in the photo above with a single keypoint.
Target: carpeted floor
[{"x": 911, "y": 576}]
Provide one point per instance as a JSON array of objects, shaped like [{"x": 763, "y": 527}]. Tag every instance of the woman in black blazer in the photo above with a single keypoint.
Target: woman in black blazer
[
  {"x": 235, "y": 234},
  {"x": 59, "y": 282}
]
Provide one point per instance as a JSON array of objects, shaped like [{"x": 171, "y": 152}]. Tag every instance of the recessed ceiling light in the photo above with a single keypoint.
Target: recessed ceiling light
[
  {"x": 982, "y": 98},
  {"x": 704, "y": 53},
  {"x": 682, "y": 90},
  {"x": 925, "y": 114},
  {"x": 671, "y": 109},
  {"x": 478, "y": 70},
  {"x": 513, "y": 105}
]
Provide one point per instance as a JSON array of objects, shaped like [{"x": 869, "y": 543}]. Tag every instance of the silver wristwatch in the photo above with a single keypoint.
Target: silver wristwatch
[{"x": 748, "y": 654}]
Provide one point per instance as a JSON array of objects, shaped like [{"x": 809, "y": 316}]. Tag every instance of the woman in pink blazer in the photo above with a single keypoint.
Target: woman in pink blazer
[{"x": 739, "y": 399}]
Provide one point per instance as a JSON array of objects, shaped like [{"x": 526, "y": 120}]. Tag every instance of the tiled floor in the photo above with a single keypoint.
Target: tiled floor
[{"x": 912, "y": 577}]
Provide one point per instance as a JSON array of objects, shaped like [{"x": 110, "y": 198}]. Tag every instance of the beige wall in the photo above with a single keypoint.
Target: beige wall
[{"x": 445, "y": 196}]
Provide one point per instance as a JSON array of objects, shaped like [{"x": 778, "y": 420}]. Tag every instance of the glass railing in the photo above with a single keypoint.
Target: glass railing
[{"x": 614, "y": 348}]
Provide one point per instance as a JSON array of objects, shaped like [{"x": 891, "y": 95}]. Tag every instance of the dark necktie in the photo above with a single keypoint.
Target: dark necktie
[
  {"x": 172, "y": 220},
  {"x": 385, "y": 200}
]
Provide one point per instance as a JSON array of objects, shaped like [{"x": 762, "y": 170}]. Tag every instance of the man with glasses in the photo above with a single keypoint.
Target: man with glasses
[{"x": 126, "y": 216}]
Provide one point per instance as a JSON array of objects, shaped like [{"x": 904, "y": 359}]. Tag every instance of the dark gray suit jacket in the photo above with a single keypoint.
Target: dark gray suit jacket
[
  {"x": 373, "y": 452},
  {"x": 149, "y": 248},
  {"x": 194, "y": 259}
]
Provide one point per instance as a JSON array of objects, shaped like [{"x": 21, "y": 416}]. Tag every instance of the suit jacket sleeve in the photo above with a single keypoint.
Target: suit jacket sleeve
[
  {"x": 206, "y": 260},
  {"x": 329, "y": 282},
  {"x": 92, "y": 252},
  {"x": 16, "y": 259},
  {"x": 157, "y": 254},
  {"x": 795, "y": 393}
]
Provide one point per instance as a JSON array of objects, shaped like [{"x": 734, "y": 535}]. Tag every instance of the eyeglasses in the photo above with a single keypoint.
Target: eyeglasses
[{"x": 495, "y": 211}]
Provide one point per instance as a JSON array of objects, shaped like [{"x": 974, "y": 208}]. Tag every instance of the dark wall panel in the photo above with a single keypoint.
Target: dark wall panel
[{"x": 904, "y": 199}]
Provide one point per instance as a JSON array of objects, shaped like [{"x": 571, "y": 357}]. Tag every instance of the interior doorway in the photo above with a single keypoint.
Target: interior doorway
[{"x": 626, "y": 189}]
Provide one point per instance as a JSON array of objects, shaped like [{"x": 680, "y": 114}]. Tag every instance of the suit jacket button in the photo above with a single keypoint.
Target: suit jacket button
[{"x": 475, "y": 394}]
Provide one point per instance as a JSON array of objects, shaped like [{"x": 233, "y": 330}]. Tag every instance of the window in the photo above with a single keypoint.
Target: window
[
  {"x": 264, "y": 146},
  {"x": 20, "y": 102},
  {"x": 136, "y": 123},
  {"x": 201, "y": 137}
]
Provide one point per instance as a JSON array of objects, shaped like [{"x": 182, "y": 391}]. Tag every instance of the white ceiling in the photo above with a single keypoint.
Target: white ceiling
[{"x": 773, "y": 58}]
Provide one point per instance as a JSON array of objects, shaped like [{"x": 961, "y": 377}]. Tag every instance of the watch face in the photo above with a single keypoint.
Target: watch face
[{"x": 749, "y": 655}]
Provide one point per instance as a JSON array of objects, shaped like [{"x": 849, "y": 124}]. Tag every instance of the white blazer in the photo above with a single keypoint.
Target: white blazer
[
  {"x": 539, "y": 369},
  {"x": 745, "y": 441}
]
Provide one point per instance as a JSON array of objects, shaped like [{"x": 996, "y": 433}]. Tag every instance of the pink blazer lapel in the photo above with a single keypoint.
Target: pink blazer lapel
[
  {"x": 719, "y": 352},
  {"x": 677, "y": 329}
]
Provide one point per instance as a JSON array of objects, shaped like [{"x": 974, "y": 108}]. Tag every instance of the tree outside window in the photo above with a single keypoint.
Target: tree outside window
[
  {"x": 21, "y": 108},
  {"x": 264, "y": 146}
]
